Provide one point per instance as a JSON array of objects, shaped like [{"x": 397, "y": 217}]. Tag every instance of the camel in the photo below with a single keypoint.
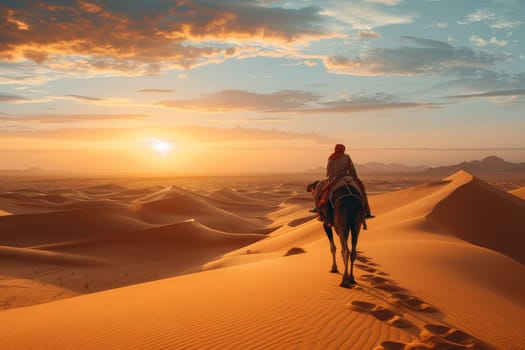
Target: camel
[{"x": 348, "y": 216}]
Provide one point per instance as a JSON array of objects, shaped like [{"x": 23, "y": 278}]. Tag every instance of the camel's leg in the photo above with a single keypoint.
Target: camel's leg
[
  {"x": 345, "y": 252},
  {"x": 333, "y": 249},
  {"x": 353, "y": 253}
]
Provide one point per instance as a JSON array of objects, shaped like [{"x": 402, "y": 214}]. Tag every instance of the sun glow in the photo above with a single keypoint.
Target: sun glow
[{"x": 160, "y": 146}]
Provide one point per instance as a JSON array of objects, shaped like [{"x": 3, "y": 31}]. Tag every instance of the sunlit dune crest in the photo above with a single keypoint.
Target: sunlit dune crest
[{"x": 241, "y": 262}]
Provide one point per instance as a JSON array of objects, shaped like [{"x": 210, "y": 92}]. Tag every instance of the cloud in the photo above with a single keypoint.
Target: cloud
[
  {"x": 482, "y": 80},
  {"x": 363, "y": 16},
  {"x": 364, "y": 103},
  {"x": 422, "y": 57},
  {"x": 368, "y": 34},
  {"x": 107, "y": 101},
  {"x": 499, "y": 93},
  {"x": 309, "y": 63},
  {"x": 438, "y": 25},
  {"x": 291, "y": 101},
  {"x": 24, "y": 73},
  {"x": 240, "y": 100},
  {"x": 496, "y": 41},
  {"x": 156, "y": 90},
  {"x": 480, "y": 15},
  {"x": 12, "y": 98},
  {"x": 385, "y": 2},
  {"x": 86, "y": 98},
  {"x": 494, "y": 20},
  {"x": 65, "y": 118},
  {"x": 479, "y": 41},
  {"x": 144, "y": 37}
]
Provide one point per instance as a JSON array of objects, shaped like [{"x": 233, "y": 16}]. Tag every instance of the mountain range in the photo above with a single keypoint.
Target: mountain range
[{"x": 491, "y": 165}]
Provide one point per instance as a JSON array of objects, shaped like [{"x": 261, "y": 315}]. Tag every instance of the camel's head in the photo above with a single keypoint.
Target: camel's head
[{"x": 311, "y": 187}]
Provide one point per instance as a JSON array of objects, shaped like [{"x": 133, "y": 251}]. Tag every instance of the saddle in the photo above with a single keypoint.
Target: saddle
[
  {"x": 345, "y": 187},
  {"x": 348, "y": 190}
]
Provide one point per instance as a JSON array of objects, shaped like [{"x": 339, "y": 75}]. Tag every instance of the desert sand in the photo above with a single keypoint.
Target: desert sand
[
  {"x": 240, "y": 263},
  {"x": 519, "y": 192}
]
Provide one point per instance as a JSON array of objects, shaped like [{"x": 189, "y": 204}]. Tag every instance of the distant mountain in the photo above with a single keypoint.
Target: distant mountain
[
  {"x": 371, "y": 168},
  {"x": 391, "y": 168},
  {"x": 487, "y": 166},
  {"x": 318, "y": 170},
  {"x": 23, "y": 172}
]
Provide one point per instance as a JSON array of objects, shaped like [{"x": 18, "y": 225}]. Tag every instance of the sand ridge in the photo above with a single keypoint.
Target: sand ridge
[{"x": 519, "y": 192}]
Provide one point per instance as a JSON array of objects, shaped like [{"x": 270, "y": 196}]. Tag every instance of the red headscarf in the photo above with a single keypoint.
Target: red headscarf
[{"x": 339, "y": 150}]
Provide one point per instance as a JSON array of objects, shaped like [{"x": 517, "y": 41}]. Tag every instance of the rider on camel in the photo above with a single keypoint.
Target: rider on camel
[{"x": 340, "y": 163}]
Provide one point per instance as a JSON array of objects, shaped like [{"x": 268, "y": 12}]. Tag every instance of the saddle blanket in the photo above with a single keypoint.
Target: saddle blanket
[{"x": 346, "y": 181}]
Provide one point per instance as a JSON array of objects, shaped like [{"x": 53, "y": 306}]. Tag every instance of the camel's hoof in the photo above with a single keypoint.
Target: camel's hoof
[
  {"x": 352, "y": 281},
  {"x": 345, "y": 284},
  {"x": 334, "y": 270}
]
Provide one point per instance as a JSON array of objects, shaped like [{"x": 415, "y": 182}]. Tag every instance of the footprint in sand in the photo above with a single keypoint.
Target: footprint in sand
[
  {"x": 445, "y": 338},
  {"x": 381, "y": 313},
  {"x": 438, "y": 337},
  {"x": 412, "y": 302},
  {"x": 398, "y": 295},
  {"x": 391, "y": 345},
  {"x": 382, "y": 283}
]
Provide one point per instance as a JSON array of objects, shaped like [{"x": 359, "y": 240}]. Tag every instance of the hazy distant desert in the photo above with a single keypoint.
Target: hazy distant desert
[{"x": 240, "y": 262}]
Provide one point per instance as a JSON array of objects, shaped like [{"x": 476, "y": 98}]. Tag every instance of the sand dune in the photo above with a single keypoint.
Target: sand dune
[
  {"x": 233, "y": 197},
  {"x": 34, "y": 229},
  {"x": 432, "y": 259},
  {"x": 519, "y": 192},
  {"x": 24, "y": 255},
  {"x": 485, "y": 216},
  {"x": 180, "y": 206},
  {"x": 430, "y": 273},
  {"x": 174, "y": 238},
  {"x": 105, "y": 189}
]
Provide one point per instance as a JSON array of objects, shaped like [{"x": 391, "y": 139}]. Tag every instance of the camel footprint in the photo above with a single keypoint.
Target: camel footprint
[
  {"x": 454, "y": 338},
  {"x": 398, "y": 295},
  {"x": 438, "y": 337},
  {"x": 412, "y": 303},
  {"x": 384, "y": 284},
  {"x": 381, "y": 313}
]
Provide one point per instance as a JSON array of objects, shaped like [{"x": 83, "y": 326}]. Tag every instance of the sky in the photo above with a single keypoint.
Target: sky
[{"x": 201, "y": 86}]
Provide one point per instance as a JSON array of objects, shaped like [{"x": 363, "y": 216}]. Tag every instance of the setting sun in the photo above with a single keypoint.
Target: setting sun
[{"x": 160, "y": 146}]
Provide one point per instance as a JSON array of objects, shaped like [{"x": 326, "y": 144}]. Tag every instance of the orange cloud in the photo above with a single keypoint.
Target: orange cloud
[
  {"x": 368, "y": 34},
  {"x": 144, "y": 37}
]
